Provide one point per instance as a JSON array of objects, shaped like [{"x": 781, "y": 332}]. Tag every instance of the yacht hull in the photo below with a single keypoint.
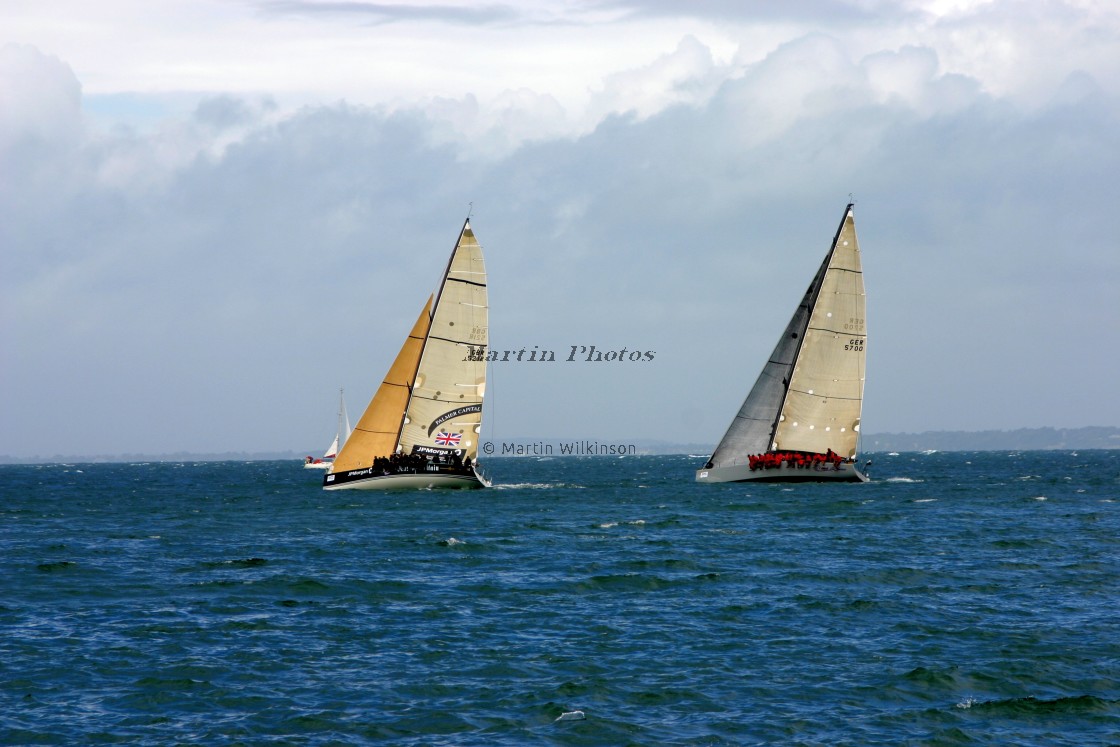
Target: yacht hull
[
  {"x": 366, "y": 479},
  {"x": 844, "y": 472}
]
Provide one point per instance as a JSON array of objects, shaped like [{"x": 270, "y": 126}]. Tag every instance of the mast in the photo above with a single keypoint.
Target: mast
[{"x": 341, "y": 409}]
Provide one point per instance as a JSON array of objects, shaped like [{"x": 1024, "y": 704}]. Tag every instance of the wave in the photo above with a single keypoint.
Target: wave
[
  {"x": 902, "y": 479},
  {"x": 57, "y": 565},
  {"x": 536, "y": 486},
  {"x": 1030, "y": 705},
  {"x": 626, "y": 582},
  {"x": 611, "y": 524},
  {"x": 930, "y": 677},
  {"x": 211, "y": 565}
]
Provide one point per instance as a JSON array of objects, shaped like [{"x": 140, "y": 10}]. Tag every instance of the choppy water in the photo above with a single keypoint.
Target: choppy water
[{"x": 959, "y": 599}]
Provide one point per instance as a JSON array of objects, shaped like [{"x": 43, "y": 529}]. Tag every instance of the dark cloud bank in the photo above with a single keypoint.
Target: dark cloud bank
[{"x": 169, "y": 296}]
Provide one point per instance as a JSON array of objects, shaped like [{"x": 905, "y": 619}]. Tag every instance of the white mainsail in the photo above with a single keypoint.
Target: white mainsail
[
  {"x": 822, "y": 407},
  {"x": 445, "y": 407},
  {"x": 341, "y": 435},
  {"x": 332, "y": 450},
  {"x": 809, "y": 395}
]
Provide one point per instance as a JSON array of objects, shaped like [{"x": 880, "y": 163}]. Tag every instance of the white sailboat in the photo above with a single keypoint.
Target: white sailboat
[
  {"x": 800, "y": 422},
  {"x": 421, "y": 428},
  {"x": 340, "y": 438}
]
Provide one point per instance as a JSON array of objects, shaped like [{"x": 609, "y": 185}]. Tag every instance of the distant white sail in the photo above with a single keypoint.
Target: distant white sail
[
  {"x": 343, "y": 432},
  {"x": 340, "y": 437},
  {"x": 332, "y": 451}
]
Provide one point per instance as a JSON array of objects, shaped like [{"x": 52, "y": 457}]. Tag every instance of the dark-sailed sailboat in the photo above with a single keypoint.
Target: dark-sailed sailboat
[
  {"x": 800, "y": 422},
  {"x": 421, "y": 428}
]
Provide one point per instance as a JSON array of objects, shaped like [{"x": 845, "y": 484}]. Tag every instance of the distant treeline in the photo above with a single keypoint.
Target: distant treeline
[
  {"x": 1023, "y": 439},
  {"x": 180, "y": 456}
]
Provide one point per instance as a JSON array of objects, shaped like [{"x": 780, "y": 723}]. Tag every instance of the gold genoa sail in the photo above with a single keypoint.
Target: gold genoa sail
[
  {"x": 422, "y": 426},
  {"x": 801, "y": 419},
  {"x": 378, "y": 430}
]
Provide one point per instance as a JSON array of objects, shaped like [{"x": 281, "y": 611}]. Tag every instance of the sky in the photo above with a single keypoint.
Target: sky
[{"x": 215, "y": 214}]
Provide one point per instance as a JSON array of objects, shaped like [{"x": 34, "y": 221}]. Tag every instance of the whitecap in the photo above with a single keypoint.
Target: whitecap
[
  {"x": 924, "y": 500},
  {"x": 902, "y": 479},
  {"x": 1040, "y": 497},
  {"x": 967, "y": 703},
  {"x": 571, "y": 716}
]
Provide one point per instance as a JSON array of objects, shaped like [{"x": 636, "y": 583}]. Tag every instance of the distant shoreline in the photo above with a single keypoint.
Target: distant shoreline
[{"x": 1022, "y": 439}]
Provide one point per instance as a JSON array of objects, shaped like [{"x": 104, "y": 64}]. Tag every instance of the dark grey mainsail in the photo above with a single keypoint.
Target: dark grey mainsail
[{"x": 752, "y": 430}]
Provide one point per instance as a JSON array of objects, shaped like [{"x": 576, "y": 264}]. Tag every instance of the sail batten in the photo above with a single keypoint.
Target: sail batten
[{"x": 453, "y": 341}]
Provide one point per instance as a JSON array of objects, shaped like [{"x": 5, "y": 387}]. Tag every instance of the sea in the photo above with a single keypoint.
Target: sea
[{"x": 956, "y": 599}]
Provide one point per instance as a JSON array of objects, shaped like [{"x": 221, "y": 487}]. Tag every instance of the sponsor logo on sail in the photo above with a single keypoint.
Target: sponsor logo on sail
[{"x": 453, "y": 414}]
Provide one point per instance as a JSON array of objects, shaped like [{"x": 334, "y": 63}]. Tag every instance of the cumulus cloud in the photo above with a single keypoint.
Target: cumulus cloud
[
  {"x": 466, "y": 14},
  {"x": 687, "y": 75},
  {"x": 1023, "y": 49},
  {"x": 195, "y": 284},
  {"x": 504, "y": 124},
  {"x": 40, "y": 97},
  {"x": 820, "y": 11}
]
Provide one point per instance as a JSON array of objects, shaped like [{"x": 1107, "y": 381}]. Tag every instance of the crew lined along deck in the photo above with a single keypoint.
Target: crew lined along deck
[{"x": 774, "y": 459}]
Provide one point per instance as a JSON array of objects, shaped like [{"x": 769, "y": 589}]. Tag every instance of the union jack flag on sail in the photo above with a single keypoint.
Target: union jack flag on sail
[{"x": 448, "y": 439}]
